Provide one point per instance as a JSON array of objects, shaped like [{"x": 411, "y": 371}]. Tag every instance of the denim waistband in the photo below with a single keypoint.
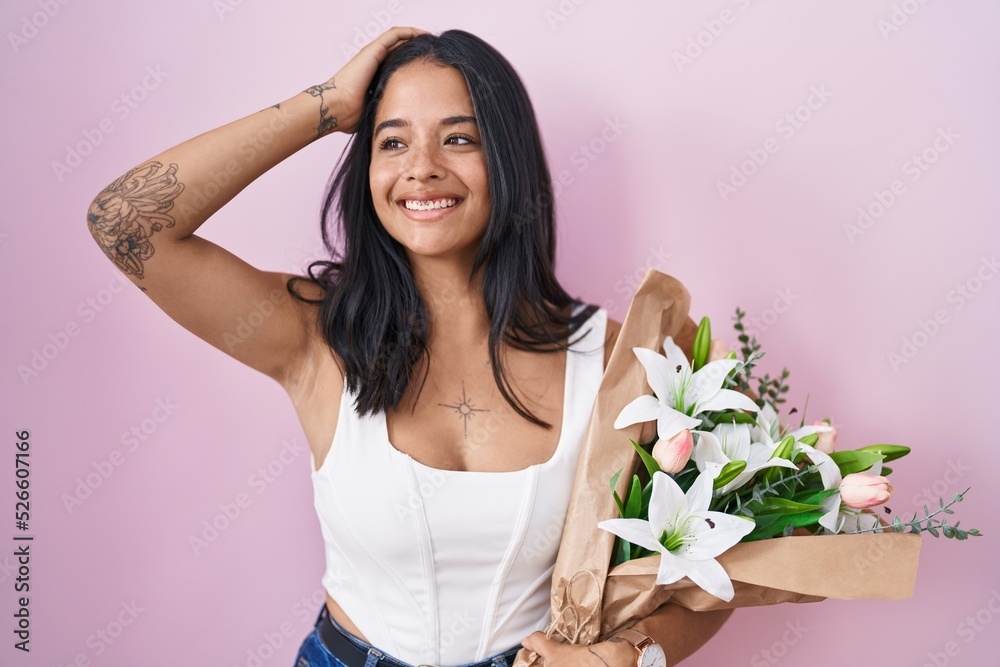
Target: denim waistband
[{"x": 504, "y": 659}]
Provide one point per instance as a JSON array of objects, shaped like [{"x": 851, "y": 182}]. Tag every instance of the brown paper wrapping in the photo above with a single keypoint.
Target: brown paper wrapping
[{"x": 589, "y": 603}]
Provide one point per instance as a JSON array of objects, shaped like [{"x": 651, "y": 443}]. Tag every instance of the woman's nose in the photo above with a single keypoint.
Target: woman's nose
[{"x": 423, "y": 163}]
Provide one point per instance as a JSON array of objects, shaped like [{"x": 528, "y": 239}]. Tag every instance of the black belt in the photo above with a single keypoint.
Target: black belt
[{"x": 354, "y": 656}]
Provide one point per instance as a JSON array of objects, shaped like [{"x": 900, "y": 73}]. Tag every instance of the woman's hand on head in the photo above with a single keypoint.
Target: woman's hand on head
[{"x": 353, "y": 79}]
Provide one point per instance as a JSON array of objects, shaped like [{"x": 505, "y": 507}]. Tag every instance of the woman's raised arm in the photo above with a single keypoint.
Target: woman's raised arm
[{"x": 145, "y": 221}]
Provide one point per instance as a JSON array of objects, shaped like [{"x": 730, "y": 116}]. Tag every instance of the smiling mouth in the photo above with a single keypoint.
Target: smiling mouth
[{"x": 429, "y": 205}]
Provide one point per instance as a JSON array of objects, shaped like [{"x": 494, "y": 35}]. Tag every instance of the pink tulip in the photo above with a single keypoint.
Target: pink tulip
[
  {"x": 673, "y": 454},
  {"x": 861, "y": 490},
  {"x": 827, "y": 439},
  {"x": 717, "y": 351}
]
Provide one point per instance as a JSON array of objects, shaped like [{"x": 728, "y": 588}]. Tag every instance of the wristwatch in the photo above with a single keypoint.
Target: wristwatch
[{"x": 649, "y": 653}]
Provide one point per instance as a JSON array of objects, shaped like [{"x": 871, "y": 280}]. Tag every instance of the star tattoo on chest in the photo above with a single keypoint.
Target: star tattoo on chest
[{"x": 464, "y": 410}]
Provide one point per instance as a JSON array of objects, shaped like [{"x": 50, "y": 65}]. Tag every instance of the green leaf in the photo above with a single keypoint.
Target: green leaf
[
  {"x": 647, "y": 458},
  {"x": 811, "y": 497},
  {"x": 702, "y": 344},
  {"x": 634, "y": 503},
  {"x": 889, "y": 452},
  {"x": 771, "y": 505},
  {"x": 618, "y": 500},
  {"x": 765, "y": 520},
  {"x": 728, "y": 473},
  {"x": 851, "y": 461},
  {"x": 621, "y": 506},
  {"x": 647, "y": 493},
  {"x": 806, "y": 520}
]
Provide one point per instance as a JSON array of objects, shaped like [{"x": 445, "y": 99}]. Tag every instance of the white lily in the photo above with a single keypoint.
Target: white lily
[
  {"x": 685, "y": 533},
  {"x": 680, "y": 396},
  {"x": 829, "y": 472},
  {"x": 733, "y": 442},
  {"x": 767, "y": 426},
  {"x": 767, "y": 430}
]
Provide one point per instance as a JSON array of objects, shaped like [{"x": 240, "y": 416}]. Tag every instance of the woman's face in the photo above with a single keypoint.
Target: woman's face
[{"x": 428, "y": 172}]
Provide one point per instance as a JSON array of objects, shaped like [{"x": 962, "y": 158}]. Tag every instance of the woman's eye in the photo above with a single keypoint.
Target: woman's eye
[
  {"x": 388, "y": 144},
  {"x": 393, "y": 144}
]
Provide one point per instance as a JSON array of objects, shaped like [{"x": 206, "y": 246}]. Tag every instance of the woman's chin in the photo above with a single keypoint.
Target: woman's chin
[{"x": 438, "y": 252}]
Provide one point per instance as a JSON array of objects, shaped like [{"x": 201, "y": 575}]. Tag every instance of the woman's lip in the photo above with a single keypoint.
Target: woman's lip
[{"x": 433, "y": 214}]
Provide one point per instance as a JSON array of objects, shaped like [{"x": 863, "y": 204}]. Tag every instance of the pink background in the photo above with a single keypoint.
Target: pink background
[{"x": 829, "y": 306}]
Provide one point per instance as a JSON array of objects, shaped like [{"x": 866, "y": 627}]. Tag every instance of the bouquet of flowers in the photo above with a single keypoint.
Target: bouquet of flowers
[{"x": 728, "y": 507}]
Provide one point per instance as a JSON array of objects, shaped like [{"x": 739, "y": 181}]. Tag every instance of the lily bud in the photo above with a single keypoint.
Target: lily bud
[
  {"x": 717, "y": 351},
  {"x": 861, "y": 490},
  {"x": 673, "y": 454},
  {"x": 827, "y": 439}
]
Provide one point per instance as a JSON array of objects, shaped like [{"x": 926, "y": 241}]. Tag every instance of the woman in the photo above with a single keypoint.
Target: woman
[{"x": 408, "y": 361}]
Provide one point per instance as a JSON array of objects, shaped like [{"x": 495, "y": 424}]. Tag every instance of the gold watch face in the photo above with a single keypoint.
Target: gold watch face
[{"x": 653, "y": 656}]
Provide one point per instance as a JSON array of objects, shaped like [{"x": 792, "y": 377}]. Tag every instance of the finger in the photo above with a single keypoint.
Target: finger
[
  {"x": 528, "y": 642},
  {"x": 404, "y": 35},
  {"x": 535, "y": 641},
  {"x": 399, "y": 34}
]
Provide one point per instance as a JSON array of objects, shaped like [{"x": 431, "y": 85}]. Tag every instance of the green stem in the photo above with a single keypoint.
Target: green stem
[{"x": 914, "y": 523}]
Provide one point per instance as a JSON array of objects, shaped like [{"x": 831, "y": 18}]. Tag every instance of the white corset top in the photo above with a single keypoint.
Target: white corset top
[{"x": 448, "y": 567}]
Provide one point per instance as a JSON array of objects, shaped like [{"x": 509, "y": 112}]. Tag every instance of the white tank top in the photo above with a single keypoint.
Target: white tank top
[{"x": 448, "y": 567}]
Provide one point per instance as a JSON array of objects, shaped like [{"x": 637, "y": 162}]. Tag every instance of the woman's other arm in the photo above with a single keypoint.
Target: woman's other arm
[
  {"x": 681, "y": 631},
  {"x": 145, "y": 221}
]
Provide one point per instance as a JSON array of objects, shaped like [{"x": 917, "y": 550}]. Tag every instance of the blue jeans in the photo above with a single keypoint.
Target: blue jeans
[{"x": 313, "y": 653}]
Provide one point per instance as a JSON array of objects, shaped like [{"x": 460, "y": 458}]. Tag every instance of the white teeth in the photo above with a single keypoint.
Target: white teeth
[{"x": 416, "y": 205}]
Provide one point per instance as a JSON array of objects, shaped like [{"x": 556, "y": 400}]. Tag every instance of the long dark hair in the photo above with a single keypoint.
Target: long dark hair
[{"x": 372, "y": 314}]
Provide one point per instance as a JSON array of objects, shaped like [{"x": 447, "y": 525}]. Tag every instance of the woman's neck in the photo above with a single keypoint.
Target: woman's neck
[{"x": 456, "y": 310}]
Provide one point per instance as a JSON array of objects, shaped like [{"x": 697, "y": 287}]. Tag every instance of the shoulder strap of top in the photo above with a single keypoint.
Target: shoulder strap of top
[{"x": 588, "y": 340}]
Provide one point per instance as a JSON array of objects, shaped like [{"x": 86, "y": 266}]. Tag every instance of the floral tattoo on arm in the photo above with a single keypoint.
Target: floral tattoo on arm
[
  {"x": 327, "y": 123},
  {"x": 124, "y": 216}
]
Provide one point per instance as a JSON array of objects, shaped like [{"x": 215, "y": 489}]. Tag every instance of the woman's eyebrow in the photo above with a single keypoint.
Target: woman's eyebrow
[{"x": 399, "y": 122}]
